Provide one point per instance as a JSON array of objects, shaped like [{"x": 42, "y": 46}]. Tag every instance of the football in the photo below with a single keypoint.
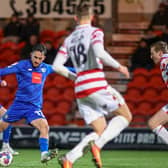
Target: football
[{"x": 5, "y": 159}]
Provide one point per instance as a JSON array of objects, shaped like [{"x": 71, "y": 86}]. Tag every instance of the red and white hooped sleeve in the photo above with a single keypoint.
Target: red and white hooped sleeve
[
  {"x": 63, "y": 50},
  {"x": 61, "y": 56},
  {"x": 97, "y": 37}
]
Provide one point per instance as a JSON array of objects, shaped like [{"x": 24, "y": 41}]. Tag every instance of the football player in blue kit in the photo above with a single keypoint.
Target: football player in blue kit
[{"x": 31, "y": 75}]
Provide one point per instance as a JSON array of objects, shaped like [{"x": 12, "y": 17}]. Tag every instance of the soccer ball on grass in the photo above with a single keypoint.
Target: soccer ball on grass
[{"x": 5, "y": 159}]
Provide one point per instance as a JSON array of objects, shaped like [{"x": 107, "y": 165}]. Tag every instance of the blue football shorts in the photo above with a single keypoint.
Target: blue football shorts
[{"x": 22, "y": 110}]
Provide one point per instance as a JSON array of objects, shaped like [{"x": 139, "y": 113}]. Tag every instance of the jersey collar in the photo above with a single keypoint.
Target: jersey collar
[
  {"x": 35, "y": 67},
  {"x": 82, "y": 26},
  {"x": 163, "y": 57}
]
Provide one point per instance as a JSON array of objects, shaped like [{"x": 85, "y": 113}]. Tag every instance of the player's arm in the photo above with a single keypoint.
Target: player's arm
[
  {"x": 11, "y": 69},
  {"x": 98, "y": 49},
  {"x": 58, "y": 65},
  {"x": 64, "y": 71},
  {"x": 108, "y": 60}
]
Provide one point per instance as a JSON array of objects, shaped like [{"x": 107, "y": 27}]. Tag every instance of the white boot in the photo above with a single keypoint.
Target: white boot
[
  {"x": 7, "y": 148},
  {"x": 48, "y": 155}
]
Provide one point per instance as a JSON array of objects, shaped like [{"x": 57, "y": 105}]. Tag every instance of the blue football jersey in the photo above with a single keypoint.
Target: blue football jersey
[{"x": 30, "y": 80}]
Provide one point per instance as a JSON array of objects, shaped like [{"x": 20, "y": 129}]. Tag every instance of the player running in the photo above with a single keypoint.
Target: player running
[
  {"x": 86, "y": 49},
  {"x": 159, "y": 54},
  {"x": 7, "y": 132},
  {"x": 31, "y": 75}
]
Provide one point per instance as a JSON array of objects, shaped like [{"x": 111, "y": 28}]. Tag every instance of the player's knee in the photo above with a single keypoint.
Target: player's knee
[
  {"x": 125, "y": 112},
  {"x": 151, "y": 124},
  {"x": 45, "y": 128},
  {"x": 3, "y": 126},
  {"x": 128, "y": 116},
  {"x": 1, "y": 129}
]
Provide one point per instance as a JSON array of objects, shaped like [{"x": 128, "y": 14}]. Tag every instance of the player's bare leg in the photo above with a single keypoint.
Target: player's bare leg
[
  {"x": 99, "y": 126},
  {"x": 156, "y": 123},
  {"x": 113, "y": 129},
  {"x": 79, "y": 150},
  {"x": 6, "y": 135},
  {"x": 115, "y": 126},
  {"x": 3, "y": 125},
  {"x": 42, "y": 125}
]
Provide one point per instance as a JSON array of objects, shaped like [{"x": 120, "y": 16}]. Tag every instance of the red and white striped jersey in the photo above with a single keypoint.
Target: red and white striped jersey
[
  {"x": 164, "y": 68},
  {"x": 79, "y": 47}
]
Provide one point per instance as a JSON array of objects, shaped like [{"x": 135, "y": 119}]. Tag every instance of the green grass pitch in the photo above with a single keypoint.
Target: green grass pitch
[{"x": 111, "y": 159}]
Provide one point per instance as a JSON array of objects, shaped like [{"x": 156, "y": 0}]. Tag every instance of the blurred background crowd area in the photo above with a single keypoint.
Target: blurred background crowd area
[{"x": 128, "y": 37}]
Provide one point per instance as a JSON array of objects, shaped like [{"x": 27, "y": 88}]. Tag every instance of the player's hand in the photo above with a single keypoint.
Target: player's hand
[
  {"x": 3, "y": 83},
  {"x": 124, "y": 70}
]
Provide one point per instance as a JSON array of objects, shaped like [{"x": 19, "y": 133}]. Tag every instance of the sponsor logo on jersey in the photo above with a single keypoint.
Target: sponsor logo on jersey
[
  {"x": 43, "y": 69},
  {"x": 36, "y": 77}
]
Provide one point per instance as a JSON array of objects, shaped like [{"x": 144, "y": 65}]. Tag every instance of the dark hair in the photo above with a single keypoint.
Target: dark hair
[
  {"x": 160, "y": 46},
  {"x": 40, "y": 47},
  {"x": 83, "y": 11}
]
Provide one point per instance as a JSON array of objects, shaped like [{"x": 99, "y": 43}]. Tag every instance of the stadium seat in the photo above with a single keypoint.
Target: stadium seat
[
  {"x": 53, "y": 94},
  {"x": 77, "y": 122},
  {"x": 47, "y": 35},
  {"x": 1, "y": 33},
  {"x": 59, "y": 82},
  {"x": 159, "y": 105},
  {"x": 57, "y": 119},
  {"x": 133, "y": 95},
  {"x": 48, "y": 83},
  {"x": 5, "y": 95},
  {"x": 156, "y": 82},
  {"x": 9, "y": 45},
  {"x": 138, "y": 121},
  {"x": 141, "y": 72},
  {"x": 60, "y": 33},
  {"x": 20, "y": 45},
  {"x": 155, "y": 72},
  {"x": 12, "y": 58},
  {"x": 8, "y": 103},
  {"x": 48, "y": 108},
  {"x": 150, "y": 95},
  {"x": 68, "y": 94},
  {"x": 63, "y": 107},
  {"x": 11, "y": 81},
  {"x": 144, "y": 108},
  {"x": 163, "y": 95},
  {"x": 5, "y": 54},
  {"x": 138, "y": 82},
  {"x": 158, "y": 32},
  {"x": 3, "y": 64}
]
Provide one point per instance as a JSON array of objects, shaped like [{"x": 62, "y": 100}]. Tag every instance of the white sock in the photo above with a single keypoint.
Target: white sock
[
  {"x": 162, "y": 133},
  {"x": 5, "y": 144},
  {"x": 43, "y": 153},
  {"x": 77, "y": 151},
  {"x": 115, "y": 126}
]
